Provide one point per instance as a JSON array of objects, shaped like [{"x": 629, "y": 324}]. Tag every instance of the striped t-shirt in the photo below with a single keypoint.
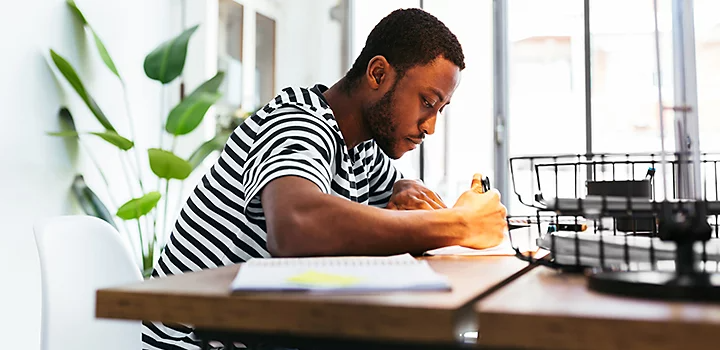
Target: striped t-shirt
[{"x": 222, "y": 222}]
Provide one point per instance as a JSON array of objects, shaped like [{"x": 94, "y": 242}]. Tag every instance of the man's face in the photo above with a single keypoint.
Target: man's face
[{"x": 400, "y": 119}]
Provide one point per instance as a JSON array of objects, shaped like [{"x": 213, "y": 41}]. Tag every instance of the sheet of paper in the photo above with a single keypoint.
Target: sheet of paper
[
  {"x": 504, "y": 248},
  {"x": 338, "y": 274},
  {"x": 524, "y": 239}
]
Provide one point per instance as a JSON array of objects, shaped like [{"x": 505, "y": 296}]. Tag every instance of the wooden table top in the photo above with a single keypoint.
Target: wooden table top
[
  {"x": 204, "y": 300},
  {"x": 549, "y": 310}
]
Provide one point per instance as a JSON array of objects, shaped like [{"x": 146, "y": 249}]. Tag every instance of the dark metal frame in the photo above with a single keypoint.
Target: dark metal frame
[
  {"x": 284, "y": 341},
  {"x": 673, "y": 218}
]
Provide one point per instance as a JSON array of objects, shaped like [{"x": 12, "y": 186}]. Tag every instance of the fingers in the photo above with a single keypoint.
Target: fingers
[
  {"x": 416, "y": 204},
  {"x": 476, "y": 184},
  {"x": 412, "y": 203},
  {"x": 433, "y": 199},
  {"x": 494, "y": 193}
]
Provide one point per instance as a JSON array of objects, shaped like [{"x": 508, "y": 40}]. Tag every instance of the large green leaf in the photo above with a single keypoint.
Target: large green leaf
[
  {"x": 117, "y": 140},
  {"x": 167, "y": 61},
  {"x": 64, "y": 134},
  {"x": 137, "y": 207},
  {"x": 167, "y": 165},
  {"x": 77, "y": 12},
  {"x": 211, "y": 85},
  {"x": 71, "y": 75},
  {"x": 189, "y": 113},
  {"x": 109, "y": 136},
  {"x": 89, "y": 201},
  {"x": 105, "y": 55},
  {"x": 100, "y": 46},
  {"x": 215, "y": 144}
]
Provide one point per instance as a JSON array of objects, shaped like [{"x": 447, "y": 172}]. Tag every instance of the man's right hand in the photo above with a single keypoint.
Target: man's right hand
[{"x": 484, "y": 215}]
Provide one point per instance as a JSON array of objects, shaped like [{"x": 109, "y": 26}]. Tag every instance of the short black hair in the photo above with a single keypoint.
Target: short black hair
[{"x": 406, "y": 38}]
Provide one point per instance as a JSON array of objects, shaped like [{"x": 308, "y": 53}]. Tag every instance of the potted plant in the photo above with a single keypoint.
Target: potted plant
[{"x": 164, "y": 64}]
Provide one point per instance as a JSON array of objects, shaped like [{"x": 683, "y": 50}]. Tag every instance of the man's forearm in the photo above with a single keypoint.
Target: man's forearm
[{"x": 328, "y": 225}]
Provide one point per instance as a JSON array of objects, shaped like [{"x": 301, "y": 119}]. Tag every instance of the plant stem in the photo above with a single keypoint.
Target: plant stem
[
  {"x": 97, "y": 167},
  {"x": 162, "y": 119},
  {"x": 180, "y": 197},
  {"x": 140, "y": 234},
  {"x": 131, "y": 124},
  {"x": 156, "y": 212},
  {"x": 165, "y": 211},
  {"x": 125, "y": 172},
  {"x": 135, "y": 173},
  {"x": 167, "y": 191},
  {"x": 113, "y": 201}
]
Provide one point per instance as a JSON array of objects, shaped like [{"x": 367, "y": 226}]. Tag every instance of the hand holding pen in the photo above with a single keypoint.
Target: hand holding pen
[{"x": 482, "y": 213}]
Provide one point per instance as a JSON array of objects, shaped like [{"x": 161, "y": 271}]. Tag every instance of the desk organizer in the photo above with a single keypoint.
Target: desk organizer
[{"x": 617, "y": 219}]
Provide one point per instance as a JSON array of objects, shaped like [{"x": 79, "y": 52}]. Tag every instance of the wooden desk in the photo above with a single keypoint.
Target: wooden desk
[
  {"x": 548, "y": 310},
  {"x": 204, "y": 300}
]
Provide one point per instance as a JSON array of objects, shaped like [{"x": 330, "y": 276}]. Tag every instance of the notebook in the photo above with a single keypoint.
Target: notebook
[{"x": 339, "y": 274}]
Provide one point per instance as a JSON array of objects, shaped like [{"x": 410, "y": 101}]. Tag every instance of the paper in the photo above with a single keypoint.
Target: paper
[
  {"x": 523, "y": 239},
  {"x": 503, "y": 248},
  {"x": 338, "y": 274},
  {"x": 317, "y": 278},
  {"x": 563, "y": 245}
]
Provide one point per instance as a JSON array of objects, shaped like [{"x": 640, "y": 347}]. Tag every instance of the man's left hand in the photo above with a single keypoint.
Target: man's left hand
[{"x": 412, "y": 195}]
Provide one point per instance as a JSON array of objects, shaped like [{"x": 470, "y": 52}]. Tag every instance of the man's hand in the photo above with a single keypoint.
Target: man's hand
[
  {"x": 485, "y": 216},
  {"x": 412, "y": 194}
]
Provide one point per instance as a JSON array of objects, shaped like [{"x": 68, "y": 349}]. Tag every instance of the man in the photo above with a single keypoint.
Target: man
[{"x": 310, "y": 173}]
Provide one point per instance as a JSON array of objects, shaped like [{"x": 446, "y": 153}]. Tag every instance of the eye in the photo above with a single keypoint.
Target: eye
[{"x": 426, "y": 103}]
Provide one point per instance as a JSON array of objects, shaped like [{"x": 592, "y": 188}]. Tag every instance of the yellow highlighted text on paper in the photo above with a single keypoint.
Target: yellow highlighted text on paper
[{"x": 323, "y": 279}]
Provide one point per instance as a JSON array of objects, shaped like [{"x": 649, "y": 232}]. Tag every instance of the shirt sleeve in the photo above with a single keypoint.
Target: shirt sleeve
[
  {"x": 289, "y": 144},
  {"x": 383, "y": 176}
]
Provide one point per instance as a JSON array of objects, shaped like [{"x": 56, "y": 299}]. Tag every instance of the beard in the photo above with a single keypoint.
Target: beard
[{"x": 381, "y": 125}]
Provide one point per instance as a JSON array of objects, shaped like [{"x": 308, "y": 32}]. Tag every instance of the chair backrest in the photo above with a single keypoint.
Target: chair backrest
[{"x": 78, "y": 256}]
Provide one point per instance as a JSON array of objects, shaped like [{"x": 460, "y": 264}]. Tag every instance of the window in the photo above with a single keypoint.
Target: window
[
  {"x": 463, "y": 140},
  {"x": 707, "y": 55},
  {"x": 624, "y": 75},
  {"x": 264, "y": 59},
  {"x": 230, "y": 53},
  {"x": 546, "y": 91}
]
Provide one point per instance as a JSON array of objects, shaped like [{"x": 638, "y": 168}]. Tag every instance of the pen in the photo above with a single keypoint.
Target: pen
[
  {"x": 567, "y": 227},
  {"x": 650, "y": 173},
  {"x": 484, "y": 183}
]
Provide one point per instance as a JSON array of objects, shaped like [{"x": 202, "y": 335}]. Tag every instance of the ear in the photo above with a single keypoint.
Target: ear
[{"x": 377, "y": 72}]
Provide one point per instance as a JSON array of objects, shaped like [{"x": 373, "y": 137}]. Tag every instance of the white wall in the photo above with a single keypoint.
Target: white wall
[
  {"x": 37, "y": 170},
  {"x": 309, "y": 44}
]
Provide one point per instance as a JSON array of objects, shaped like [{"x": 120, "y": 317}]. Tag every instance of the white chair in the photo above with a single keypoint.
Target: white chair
[{"x": 78, "y": 256}]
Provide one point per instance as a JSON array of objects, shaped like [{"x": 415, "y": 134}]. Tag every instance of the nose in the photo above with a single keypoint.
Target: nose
[{"x": 428, "y": 125}]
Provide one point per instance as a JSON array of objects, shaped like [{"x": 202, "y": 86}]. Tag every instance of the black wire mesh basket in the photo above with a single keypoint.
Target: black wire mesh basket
[{"x": 626, "y": 220}]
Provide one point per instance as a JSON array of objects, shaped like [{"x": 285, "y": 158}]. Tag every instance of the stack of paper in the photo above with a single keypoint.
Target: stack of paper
[
  {"x": 614, "y": 250},
  {"x": 336, "y": 274}
]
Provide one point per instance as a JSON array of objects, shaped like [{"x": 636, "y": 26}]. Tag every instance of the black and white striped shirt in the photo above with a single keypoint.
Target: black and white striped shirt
[{"x": 223, "y": 222}]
